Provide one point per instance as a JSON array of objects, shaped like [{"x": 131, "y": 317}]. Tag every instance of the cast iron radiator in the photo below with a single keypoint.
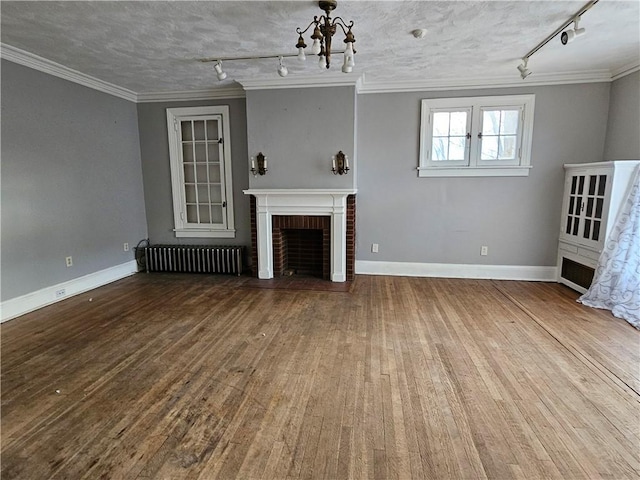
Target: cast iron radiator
[{"x": 193, "y": 259}]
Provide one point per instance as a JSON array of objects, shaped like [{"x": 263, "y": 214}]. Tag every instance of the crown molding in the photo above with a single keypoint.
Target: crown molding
[
  {"x": 596, "y": 76},
  {"x": 315, "y": 81},
  {"x": 41, "y": 64},
  {"x": 625, "y": 70},
  {"x": 190, "y": 95}
]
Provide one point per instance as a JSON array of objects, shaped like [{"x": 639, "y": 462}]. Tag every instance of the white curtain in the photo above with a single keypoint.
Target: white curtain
[{"x": 616, "y": 284}]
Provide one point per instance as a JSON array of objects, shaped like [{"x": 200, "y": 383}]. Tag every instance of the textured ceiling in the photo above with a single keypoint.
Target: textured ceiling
[{"x": 155, "y": 46}]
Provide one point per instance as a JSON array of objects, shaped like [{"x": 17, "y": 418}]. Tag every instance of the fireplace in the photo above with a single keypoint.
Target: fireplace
[{"x": 277, "y": 213}]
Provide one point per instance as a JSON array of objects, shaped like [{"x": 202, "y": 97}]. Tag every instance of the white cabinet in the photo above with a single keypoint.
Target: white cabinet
[{"x": 593, "y": 194}]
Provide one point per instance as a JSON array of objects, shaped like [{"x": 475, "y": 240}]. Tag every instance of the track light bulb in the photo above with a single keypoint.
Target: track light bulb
[
  {"x": 282, "y": 70},
  {"x": 569, "y": 36},
  {"x": 219, "y": 72},
  {"x": 524, "y": 71}
]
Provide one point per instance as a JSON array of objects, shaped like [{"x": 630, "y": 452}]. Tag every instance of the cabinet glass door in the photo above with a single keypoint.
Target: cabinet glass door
[
  {"x": 594, "y": 209},
  {"x": 574, "y": 211}
]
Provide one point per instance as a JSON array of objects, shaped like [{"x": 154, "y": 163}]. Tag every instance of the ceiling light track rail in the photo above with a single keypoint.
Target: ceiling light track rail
[{"x": 566, "y": 37}]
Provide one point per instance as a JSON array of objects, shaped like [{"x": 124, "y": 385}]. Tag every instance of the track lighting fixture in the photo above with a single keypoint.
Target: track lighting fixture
[
  {"x": 282, "y": 70},
  {"x": 324, "y": 28},
  {"x": 566, "y": 37},
  {"x": 219, "y": 72},
  {"x": 522, "y": 68},
  {"x": 569, "y": 36}
]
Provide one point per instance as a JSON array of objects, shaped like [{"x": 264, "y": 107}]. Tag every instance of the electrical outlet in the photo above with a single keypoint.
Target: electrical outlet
[
  {"x": 125, "y": 247},
  {"x": 69, "y": 261},
  {"x": 374, "y": 248},
  {"x": 61, "y": 293},
  {"x": 484, "y": 250}
]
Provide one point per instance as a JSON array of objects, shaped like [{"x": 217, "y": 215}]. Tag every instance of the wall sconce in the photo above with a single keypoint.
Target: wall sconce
[
  {"x": 261, "y": 167},
  {"x": 339, "y": 164}
]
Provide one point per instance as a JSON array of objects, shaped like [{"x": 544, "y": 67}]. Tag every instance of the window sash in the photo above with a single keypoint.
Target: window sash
[
  {"x": 495, "y": 139},
  {"x": 449, "y": 143}
]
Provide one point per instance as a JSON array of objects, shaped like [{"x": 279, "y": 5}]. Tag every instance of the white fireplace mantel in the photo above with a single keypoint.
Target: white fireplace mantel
[{"x": 324, "y": 202}]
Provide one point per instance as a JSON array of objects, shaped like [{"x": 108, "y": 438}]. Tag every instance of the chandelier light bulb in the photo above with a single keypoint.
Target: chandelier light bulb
[
  {"x": 321, "y": 62},
  {"x": 315, "y": 47},
  {"x": 301, "y": 54}
]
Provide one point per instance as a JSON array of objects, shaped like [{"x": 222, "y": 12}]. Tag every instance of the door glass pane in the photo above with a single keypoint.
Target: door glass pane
[
  {"x": 212, "y": 129},
  {"x": 602, "y": 185},
  {"x": 215, "y": 194},
  {"x": 190, "y": 193},
  {"x": 578, "y": 205},
  {"x": 186, "y": 131},
  {"x": 214, "y": 174},
  {"x": 217, "y": 213},
  {"x": 574, "y": 182},
  {"x": 189, "y": 174},
  {"x": 580, "y": 185},
  {"x": 187, "y": 152},
  {"x": 203, "y": 194},
  {"x": 599, "y": 204},
  {"x": 198, "y": 129},
  {"x": 596, "y": 231},
  {"x": 201, "y": 152},
  {"x": 569, "y": 220},
  {"x": 587, "y": 228},
  {"x": 214, "y": 152},
  {"x": 192, "y": 214},
  {"x": 576, "y": 225},
  {"x": 592, "y": 184},
  {"x": 589, "y": 207},
  {"x": 204, "y": 214}
]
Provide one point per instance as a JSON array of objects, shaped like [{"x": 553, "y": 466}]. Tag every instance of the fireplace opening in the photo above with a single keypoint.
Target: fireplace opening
[
  {"x": 302, "y": 245},
  {"x": 302, "y": 252}
]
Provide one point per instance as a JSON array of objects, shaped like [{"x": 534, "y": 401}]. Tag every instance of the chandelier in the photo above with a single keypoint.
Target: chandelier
[{"x": 324, "y": 28}]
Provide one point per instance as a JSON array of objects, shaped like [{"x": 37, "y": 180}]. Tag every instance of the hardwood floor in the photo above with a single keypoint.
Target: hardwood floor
[{"x": 181, "y": 376}]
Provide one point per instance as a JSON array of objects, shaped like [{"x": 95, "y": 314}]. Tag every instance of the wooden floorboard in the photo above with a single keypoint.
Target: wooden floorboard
[{"x": 188, "y": 376}]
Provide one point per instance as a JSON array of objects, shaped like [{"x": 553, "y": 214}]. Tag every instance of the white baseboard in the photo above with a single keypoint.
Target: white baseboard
[
  {"x": 32, "y": 301},
  {"x": 451, "y": 270}
]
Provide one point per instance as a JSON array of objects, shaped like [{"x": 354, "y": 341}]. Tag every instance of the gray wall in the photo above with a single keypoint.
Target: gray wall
[
  {"x": 623, "y": 137},
  {"x": 156, "y": 170},
  {"x": 447, "y": 220},
  {"x": 71, "y": 180},
  {"x": 299, "y": 130}
]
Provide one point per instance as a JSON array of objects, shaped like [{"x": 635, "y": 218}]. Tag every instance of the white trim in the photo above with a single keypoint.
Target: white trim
[
  {"x": 625, "y": 70},
  {"x": 401, "y": 86},
  {"x": 188, "y": 233},
  {"x": 223, "y": 93},
  {"x": 451, "y": 270},
  {"x": 512, "y": 171},
  {"x": 314, "y": 81},
  {"x": 15, "y": 307},
  {"x": 41, "y": 64}
]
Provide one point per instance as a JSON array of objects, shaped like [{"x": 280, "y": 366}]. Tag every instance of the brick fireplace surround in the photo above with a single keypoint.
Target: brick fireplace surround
[{"x": 340, "y": 213}]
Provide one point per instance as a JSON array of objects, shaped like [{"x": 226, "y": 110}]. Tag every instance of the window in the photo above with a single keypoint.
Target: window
[
  {"x": 476, "y": 136},
  {"x": 200, "y": 154}
]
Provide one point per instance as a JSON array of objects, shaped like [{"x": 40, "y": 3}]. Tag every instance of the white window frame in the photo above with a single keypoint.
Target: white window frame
[
  {"x": 182, "y": 227},
  {"x": 474, "y": 166}
]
